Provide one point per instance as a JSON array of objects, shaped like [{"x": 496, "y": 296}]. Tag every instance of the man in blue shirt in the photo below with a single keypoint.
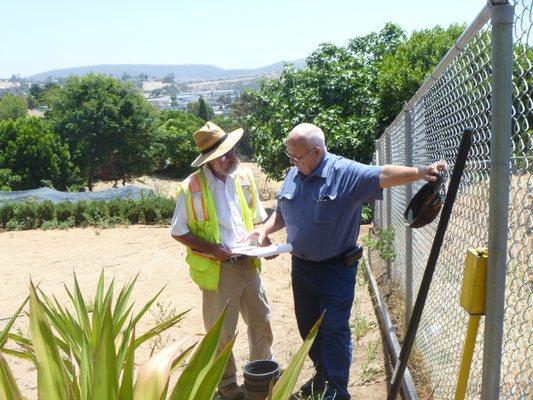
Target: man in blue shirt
[{"x": 320, "y": 204}]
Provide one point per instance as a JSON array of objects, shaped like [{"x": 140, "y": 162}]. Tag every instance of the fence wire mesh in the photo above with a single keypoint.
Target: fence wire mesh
[{"x": 461, "y": 98}]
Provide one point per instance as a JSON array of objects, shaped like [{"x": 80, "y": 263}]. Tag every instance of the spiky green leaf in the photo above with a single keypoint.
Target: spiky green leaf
[
  {"x": 8, "y": 387},
  {"x": 200, "y": 363},
  {"x": 51, "y": 375},
  {"x": 285, "y": 385}
]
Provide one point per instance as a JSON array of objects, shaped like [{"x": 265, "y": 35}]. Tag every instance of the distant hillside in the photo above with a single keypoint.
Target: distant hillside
[{"x": 183, "y": 73}]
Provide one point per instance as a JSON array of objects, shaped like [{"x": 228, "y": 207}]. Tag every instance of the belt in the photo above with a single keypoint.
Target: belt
[
  {"x": 340, "y": 257},
  {"x": 324, "y": 261},
  {"x": 349, "y": 257}
]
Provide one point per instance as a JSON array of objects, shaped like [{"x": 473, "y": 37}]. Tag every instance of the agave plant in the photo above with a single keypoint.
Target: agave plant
[{"x": 90, "y": 354}]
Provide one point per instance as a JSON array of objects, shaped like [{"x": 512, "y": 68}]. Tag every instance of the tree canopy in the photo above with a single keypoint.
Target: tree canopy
[
  {"x": 401, "y": 73},
  {"x": 33, "y": 156},
  {"x": 13, "y": 107},
  {"x": 347, "y": 91},
  {"x": 176, "y": 149},
  {"x": 108, "y": 126}
]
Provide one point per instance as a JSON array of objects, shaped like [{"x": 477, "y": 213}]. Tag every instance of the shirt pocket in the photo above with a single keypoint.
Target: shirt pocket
[
  {"x": 325, "y": 206},
  {"x": 287, "y": 203}
]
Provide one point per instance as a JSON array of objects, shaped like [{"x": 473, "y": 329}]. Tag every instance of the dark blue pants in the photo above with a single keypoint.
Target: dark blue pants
[{"x": 331, "y": 287}]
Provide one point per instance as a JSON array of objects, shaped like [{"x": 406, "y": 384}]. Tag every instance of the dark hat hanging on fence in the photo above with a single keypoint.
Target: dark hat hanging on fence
[{"x": 426, "y": 204}]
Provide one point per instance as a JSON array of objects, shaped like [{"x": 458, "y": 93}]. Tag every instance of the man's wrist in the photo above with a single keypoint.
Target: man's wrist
[{"x": 421, "y": 172}]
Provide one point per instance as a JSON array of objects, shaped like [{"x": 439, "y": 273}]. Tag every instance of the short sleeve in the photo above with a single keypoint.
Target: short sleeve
[
  {"x": 363, "y": 181},
  {"x": 179, "y": 226}
]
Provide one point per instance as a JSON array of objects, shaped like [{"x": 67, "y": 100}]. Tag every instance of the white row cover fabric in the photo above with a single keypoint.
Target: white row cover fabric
[{"x": 55, "y": 196}]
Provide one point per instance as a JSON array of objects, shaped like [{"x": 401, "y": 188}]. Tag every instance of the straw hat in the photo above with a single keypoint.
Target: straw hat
[{"x": 213, "y": 142}]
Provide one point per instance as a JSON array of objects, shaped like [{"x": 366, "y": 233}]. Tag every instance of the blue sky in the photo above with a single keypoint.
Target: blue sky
[{"x": 41, "y": 35}]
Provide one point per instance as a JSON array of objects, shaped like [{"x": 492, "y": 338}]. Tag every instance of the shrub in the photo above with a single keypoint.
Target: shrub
[
  {"x": 29, "y": 215},
  {"x": 367, "y": 213},
  {"x": 63, "y": 211},
  {"x": 46, "y": 211},
  {"x": 6, "y": 213},
  {"x": 383, "y": 243},
  {"x": 26, "y": 215},
  {"x": 96, "y": 212}
]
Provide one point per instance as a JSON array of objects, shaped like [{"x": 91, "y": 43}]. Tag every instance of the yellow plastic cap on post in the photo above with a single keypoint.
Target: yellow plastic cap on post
[{"x": 474, "y": 281}]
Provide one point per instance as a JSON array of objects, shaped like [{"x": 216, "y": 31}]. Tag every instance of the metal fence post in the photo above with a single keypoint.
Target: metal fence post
[
  {"x": 408, "y": 131},
  {"x": 500, "y": 147},
  {"x": 388, "y": 160},
  {"x": 378, "y": 162}
]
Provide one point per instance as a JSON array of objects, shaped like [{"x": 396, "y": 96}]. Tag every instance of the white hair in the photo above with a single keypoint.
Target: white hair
[
  {"x": 311, "y": 134},
  {"x": 315, "y": 138}
]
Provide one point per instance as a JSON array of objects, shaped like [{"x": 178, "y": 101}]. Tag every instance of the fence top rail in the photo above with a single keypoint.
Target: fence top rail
[{"x": 457, "y": 48}]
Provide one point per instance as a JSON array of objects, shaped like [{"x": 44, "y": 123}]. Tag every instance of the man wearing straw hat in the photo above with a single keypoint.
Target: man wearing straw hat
[{"x": 217, "y": 206}]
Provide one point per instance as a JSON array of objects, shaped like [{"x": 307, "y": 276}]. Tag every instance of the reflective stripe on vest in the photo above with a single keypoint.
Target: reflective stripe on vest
[
  {"x": 198, "y": 202},
  {"x": 202, "y": 221},
  {"x": 247, "y": 190}
]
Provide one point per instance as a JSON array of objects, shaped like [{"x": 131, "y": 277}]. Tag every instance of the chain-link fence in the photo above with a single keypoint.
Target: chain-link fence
[{"x": 430, "y": 129}]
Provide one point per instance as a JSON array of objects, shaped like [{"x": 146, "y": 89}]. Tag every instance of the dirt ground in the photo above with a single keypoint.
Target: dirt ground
[{"x": 50, "y": 257}]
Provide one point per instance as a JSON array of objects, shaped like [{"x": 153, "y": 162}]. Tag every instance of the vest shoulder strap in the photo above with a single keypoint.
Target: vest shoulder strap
[
  {"x": 197, "y": 199},
  {"x": 194, "y": 184},
  {"x": 245, "y": 179}
]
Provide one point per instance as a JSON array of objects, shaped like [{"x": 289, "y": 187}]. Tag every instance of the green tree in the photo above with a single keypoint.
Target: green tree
[
  {"x": 13, "y": 107},
  {"x": 108, "y": 126},
  {"x": 176, "y": 149},
  {"x": 201, "y": 109},
  {"x": 351, "y": 92},
  {"x": 50, "y": 92},
  {"x": 30, "y": 153},
  {"x": 241, "y": 108},
  {"x": 35, "y": 95},
  {"x": 336, "y": 92},
  {"x": 405, "y": 70}
]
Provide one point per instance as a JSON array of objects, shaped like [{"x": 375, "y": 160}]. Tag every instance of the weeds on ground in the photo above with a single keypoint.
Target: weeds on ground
[
  {"x": 361, "y": 326},
  {"x": 383, "y": 244},
  {"x": 370, "y": 369},
  {"x": 163, "y": 312}
]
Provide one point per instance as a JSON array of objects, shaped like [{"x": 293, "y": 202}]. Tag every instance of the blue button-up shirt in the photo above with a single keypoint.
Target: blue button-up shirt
[{"x": 322, "y": 211}]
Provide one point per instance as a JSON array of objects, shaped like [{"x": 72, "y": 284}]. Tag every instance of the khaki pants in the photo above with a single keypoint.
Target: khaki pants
[{"x": 240, "y": 285}]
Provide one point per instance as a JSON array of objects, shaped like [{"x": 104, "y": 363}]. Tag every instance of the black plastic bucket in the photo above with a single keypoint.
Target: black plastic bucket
[{"x": 257, "y": 378}]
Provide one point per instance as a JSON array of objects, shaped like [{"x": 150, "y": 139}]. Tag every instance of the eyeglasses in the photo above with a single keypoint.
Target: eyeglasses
[
  {"x": 298, "y": 159},
  {"x": 228, "y": 154}
]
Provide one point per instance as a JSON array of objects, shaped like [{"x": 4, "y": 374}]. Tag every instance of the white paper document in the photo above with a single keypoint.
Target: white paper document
[{"x": 267, "y": 251}]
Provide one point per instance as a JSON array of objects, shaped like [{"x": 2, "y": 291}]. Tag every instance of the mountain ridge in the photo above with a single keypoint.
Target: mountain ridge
[{"x": 182, "y": 72}]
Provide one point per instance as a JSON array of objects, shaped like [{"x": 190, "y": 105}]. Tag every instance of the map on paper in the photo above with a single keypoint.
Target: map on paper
[{"x": 267, "y": 251}]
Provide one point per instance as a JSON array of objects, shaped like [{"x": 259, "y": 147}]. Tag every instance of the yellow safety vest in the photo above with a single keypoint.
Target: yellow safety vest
[{"x": 203, "y": 222}]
